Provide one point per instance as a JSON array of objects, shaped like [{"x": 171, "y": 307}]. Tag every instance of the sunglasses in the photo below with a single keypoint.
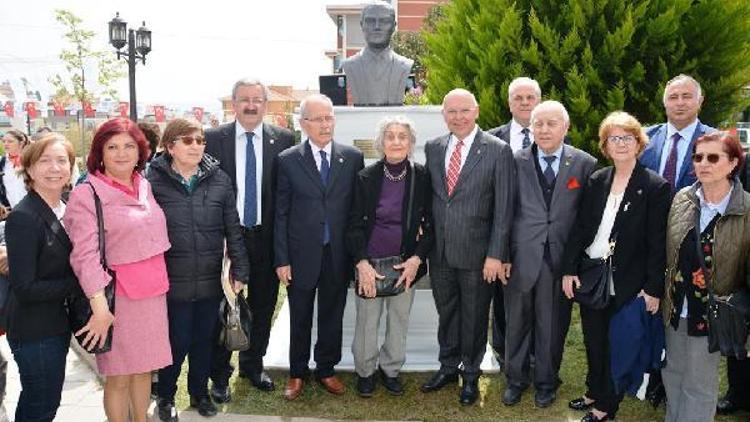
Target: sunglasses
[
  {"x": 711, "y": 158},
  {"x": 188, "y": 140}
]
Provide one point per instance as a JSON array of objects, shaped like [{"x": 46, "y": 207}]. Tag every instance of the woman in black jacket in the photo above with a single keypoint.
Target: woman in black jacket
[
  {"x": 40, "y": 278},
  {"x": 625, "y": 204},
  {"x": 199, "y": 203},
  {"x": 388, "y": 220}
]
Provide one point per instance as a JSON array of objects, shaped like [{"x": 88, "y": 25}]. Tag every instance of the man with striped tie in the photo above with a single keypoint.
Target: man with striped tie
[{"x": 473, "y": 180}]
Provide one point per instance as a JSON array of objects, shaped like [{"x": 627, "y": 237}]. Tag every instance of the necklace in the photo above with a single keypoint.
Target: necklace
[{"x": 393, "y": 178}]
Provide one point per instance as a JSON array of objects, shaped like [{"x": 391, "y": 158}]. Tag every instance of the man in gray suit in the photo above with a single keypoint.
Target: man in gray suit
[
  {"x": 473, "y": 179},
  {"x": 550, "y": 177}
]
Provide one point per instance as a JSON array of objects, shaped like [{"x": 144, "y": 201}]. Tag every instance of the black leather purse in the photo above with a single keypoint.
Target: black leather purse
[
  {"x": 595, "y": 276},
  {"x": 79, "y": 307},
  {"x": 384, "y": 266}
]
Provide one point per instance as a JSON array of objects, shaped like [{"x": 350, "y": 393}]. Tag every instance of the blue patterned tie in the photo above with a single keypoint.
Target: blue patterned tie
[
  {"x": 325, "y": 171},
  {"x": 549, "y": 172},
  {"x": 526, "y": 140},
  {"x": 251, "y": 192}
]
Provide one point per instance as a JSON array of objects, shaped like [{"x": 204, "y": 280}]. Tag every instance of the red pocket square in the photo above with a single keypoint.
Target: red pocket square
[{"x": 573, "y": 183}]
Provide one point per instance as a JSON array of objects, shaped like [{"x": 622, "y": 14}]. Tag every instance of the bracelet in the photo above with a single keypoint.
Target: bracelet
[{"x": 96, "y": 295}]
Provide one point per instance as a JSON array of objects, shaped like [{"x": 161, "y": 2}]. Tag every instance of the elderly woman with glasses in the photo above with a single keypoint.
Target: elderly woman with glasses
[
  {"x": 624, "y": 205},
  {"x": 389, "y": 222},
  {"x": 713, "y": 213},
  {"x": 199, "y": 202}
]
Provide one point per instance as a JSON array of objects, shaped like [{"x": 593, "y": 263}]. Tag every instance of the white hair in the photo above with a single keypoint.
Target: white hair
[
  {"x": 313, "y": 97},
  {"x": 389, "y": 121},
  {"x": 550, "y": 105},
  {"x": 680, "y": 79},
  {"x": 524, "y": 81}
]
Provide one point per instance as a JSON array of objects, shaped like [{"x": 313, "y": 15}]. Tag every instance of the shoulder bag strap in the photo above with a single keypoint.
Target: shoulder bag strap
[
  {"x": 412, "y": 182},
  {"x": 100, "y": 224}
]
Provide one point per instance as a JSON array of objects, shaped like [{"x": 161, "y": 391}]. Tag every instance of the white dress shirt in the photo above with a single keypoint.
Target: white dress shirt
[
  {"x": 468, "y": 141},
  {"x": 239, "y": 159},
  {"x": 316, "y": 153},
  {"x": 516, "y": 135},
  {"x": 15, "y": 189}
]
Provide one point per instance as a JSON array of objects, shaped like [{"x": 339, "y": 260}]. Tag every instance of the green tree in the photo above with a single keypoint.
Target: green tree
[{"x": 595, "y": 56}]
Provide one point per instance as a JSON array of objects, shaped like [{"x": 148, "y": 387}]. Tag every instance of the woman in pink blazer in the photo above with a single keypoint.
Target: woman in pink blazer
[{"x": 136, "y": 239}]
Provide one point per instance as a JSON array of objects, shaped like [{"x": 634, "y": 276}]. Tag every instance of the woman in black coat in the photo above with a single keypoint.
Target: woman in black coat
[
  {"x": 389, "y": 219},
  {"x": 627, "y": 205},
  {"x": 40, "y": 278},
  {"x": 199, "y": 203}
]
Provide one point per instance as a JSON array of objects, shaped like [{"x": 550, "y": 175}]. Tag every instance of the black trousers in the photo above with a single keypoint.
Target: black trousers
[
  {"x": 331, "y": 292},
  {"x": 738, "y": 377},
  {"x": 595, "y": 324},
  {"x": 262, "y": 292},
  {"x": 498, "y": 320}
]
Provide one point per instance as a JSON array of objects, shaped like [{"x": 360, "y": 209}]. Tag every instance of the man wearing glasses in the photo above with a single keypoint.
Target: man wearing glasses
[
  {"x": 247, "y": 149},
  {"x": 315, "y": 186},
  {"x": 671, "y": 143},
  {"x": 473, "y": 183}
]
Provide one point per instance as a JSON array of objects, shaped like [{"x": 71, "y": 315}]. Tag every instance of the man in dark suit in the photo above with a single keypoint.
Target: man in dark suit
[
  {"x": 523, "y": 95},
  {"x": 314, "y": 193},
  {"x": 550, "y": 180},
  {"x": 671, "y": 143},
  {"x": 472, "y": 181},
  {"x": 253, "y": 175}
]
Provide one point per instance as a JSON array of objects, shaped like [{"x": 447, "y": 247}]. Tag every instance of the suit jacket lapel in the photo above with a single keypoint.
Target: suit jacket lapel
[
  {"x": 529, "y": 168},
  {"x": 443, "y": 149},
  {"x": 632, "y": 197},
  {"x": 659, "y": 139},
  {"x": 229, "y": 148},
  {"x": 567, "y": 160},
  {"x": 51, "y": 220},
  {"x": 476, "y": 152},
  {"x": 337, "y": 162},
  {"x": 307, "y": 162},
  {"x": 269, "y": 147}
]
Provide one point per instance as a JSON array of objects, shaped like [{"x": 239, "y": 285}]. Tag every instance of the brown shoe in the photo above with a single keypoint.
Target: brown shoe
[
  {"x": 293, "y": 388},
  {"x": 333, "y": 385}
]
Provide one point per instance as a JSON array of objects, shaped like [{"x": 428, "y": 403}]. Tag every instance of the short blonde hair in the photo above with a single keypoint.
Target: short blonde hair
[
  {"x": 33, "y": 152},
  {"x": 626, "y": 122}
]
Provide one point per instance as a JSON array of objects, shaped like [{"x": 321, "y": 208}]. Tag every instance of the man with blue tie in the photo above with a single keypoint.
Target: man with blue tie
[
  {"x": 314, "y": 192},
  {"x": 671, "y": 144},
  {"x": 247, "y": 149}
]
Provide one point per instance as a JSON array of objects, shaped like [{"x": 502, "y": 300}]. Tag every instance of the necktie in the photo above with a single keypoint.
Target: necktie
[
  {"x": 325, "y": 170},
  {"x": 549, "y": 172},
  {"x": 454, "y": 168},
  {"x": 250, "y": 218},
  {"x": 526, "y": 139},
  {"x": 670, "y": 167}
]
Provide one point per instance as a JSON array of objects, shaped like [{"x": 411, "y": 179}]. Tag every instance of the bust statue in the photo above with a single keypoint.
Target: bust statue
[{"x": 376, "y": 75}]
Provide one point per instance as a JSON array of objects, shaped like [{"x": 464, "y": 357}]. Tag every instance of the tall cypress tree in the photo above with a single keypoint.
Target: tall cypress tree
[{"x": 595, "y": 56}]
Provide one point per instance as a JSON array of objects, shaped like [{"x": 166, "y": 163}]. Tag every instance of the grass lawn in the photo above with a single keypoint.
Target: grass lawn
[{"x": 439, "y": 406}]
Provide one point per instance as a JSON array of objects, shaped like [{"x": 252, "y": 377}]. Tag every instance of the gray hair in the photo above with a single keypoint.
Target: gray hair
[
  {"x": 679, "y": 79},
  {"x": 374, "y": 4},
  {"x": 249, "y": 82},
  {"x": 389, "y": 121},
  {"x": 524, "y": 81},
  {"x": 550, "y": 105},
  {"x": 312, "y": 97}
]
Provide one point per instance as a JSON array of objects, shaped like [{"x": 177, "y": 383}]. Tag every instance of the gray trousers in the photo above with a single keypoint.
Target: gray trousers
[
  {"x": 691, "y": 377},
  {"x": 365, "y": 344}
]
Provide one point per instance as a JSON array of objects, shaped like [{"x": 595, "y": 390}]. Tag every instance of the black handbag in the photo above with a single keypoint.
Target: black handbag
[
  {"x": 236, "y": 321},
  {"x": 384, "y": 266},
  {"x": 79, "y": 307},
  {"x": 595, "y": 275}
]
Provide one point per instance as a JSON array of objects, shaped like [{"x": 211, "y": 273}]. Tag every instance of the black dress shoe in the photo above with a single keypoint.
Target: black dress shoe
[
  {"x": 220, "y": 394},
  {"x": 365, "y": 386},
  {"x": 261, "y": 380},
  {"x": 392, "y": 384},
  {"x": 469, "y": 393},
  {"x": 590, "y": 417},
  {"x": 512, "y": 395},
  {"x": 205, "y": 406},
  {"x": 580, "y": 404},
  {"x": 166, "y": 410},
  {"x": 438, "y": 381},
  {"x": 544, "y": 397}
]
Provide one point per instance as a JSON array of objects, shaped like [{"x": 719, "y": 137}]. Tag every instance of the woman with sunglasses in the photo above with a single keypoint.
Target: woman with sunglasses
[
  {"x": 713, "y": 213},
  {"x": 199, "y": 202},
  {"x": 625, "y": 204}
]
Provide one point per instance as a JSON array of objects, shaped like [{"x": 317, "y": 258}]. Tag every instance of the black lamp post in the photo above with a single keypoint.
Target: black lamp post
[{"x": 139, "y": 44}]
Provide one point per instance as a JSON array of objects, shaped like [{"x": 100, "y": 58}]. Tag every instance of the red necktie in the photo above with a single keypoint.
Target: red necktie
[{"x": 454, "y": 168}]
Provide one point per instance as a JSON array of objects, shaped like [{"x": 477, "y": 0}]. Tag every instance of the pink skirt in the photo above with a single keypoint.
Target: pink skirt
[{"x": 140, "y": 338}]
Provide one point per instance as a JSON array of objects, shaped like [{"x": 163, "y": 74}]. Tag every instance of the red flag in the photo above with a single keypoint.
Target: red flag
[
  {"x": 124, "y": 108},
  {"x": 31, "y": 109},
  {"x": 159, "y": 113},
  {"x": 59, "y": 109},
  {"x": 88, "y": 109},
  {"x": 198, "y": 113},
  {"x": 9, "y": 109}
]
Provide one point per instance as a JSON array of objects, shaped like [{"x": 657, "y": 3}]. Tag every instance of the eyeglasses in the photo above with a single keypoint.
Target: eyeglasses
[
  {"x": 254, "y": 101},
  {"x": 321, "y": 119},
  {"x": 621, "y": 140},
  {"x": 711, "y": 158},
  {"x": 464, "y": 112},
  {"x": 188, "y": 140}
]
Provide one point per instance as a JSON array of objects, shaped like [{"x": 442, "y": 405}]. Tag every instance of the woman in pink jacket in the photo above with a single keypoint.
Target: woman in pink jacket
[{"x": 136, "y": 239}]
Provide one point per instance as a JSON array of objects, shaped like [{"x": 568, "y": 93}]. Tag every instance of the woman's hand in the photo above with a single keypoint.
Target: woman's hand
[
  {"x": 408, "y": 270},
  {"x": 567, "y": 284},
  {"x": 96, "y": 328},
  {"x": 367, "y": 276},
  {"x": 652, "y": 303}
]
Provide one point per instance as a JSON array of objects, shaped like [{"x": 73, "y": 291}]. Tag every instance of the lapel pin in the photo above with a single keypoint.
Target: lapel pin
[
  {"x": 639, "y": 191},
  {"x": 341, "y": 160},
  {"x": 272, "y": 141},
  {"x": 479, "y": 151},
  {"x": 627, "y": 205}
]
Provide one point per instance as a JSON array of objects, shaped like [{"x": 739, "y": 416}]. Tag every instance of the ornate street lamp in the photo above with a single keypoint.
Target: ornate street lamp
[{"x": 139, "y": 44}]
